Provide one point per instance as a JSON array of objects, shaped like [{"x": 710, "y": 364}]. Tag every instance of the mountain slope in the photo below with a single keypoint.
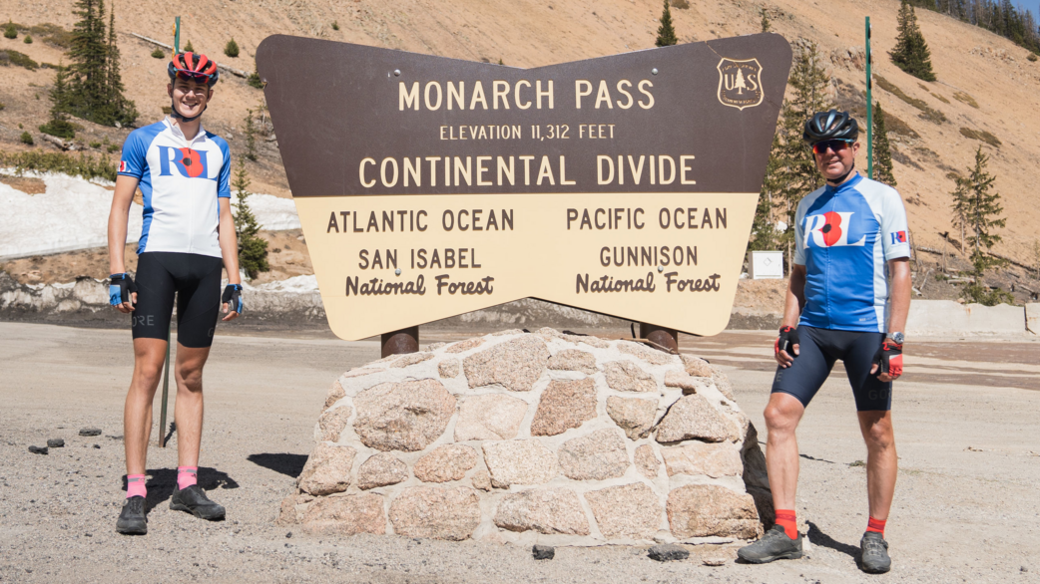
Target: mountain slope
[{"x": 973, "y": 67}]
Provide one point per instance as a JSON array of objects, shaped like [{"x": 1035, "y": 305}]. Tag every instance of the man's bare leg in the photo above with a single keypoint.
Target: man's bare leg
[
  {"x": 149, "y": 355},
  {"x": 189, "y": 409},
  {"x": 882, "y": 462},
  {"x": 782, "y": 414}
]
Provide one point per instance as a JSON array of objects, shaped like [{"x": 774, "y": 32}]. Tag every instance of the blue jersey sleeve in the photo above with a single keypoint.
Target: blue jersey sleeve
[
  {"x": 224, "y": 179},
  {"x": 133, "y": 161}
]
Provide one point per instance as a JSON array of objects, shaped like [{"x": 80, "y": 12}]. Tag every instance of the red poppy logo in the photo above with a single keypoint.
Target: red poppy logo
[
  {"x": 831, "y": 229},
  {"x": 190, "y": 163}
]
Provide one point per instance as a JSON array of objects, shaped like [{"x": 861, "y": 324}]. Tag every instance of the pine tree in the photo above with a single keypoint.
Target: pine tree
[
  {"x": 188, "y": 48},
  {"x": 796, "y": 174},
  {"x": 59, "y": 124},
  {"x": 766, "y": 26},
  {"x": 911, "y": 53},
  {"x": 252, "y": 249},
  {"x": 10, "y": 31},
  {"x": 231, "y": 48},
  {"x": 666, "y": 32},
  {"x": 981, "y": 210},
  {"x": 882, "y": 149},
  {"x": 763, "y": 227},
  {"x": 120, "y": 110},
  {"x": 250, "y": 136}
]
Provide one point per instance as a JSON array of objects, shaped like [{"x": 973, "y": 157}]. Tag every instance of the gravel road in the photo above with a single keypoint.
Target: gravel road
[{"x": 966, "y": 504}]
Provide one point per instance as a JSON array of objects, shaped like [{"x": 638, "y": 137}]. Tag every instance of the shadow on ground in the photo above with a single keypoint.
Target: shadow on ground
[
  {"x": 162, "y": 481},
  {"x": 285, "y": 463}
]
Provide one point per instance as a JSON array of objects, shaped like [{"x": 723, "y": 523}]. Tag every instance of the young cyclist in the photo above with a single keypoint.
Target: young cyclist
[
  {"x": 848, "y": 299},
  {"x": 188, "y": 235}
]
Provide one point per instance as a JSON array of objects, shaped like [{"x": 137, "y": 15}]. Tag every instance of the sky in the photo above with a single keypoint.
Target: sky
[{"x": 1031, "y": 5}]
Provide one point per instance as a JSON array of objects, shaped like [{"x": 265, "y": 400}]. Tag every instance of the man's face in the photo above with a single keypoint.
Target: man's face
[
  {"x": 835, "y": 158},
  {"x": 189, "y": 97}
]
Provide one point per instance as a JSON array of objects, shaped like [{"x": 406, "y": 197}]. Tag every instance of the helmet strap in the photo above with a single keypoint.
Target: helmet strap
[
  {"x": 833, "y": 183},
  {"x": 176, "y": 114}
]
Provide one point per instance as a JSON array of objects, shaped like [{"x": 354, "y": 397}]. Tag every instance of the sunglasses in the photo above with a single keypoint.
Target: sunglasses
[
  {"x": 835, "y": 145},
  {"x": 192, "y": 76}
]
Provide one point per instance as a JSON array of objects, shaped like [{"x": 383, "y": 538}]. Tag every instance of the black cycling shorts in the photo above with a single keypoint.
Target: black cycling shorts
[
  {"x": 196, "y": 281},
  {"x": 818, "y": 350}
]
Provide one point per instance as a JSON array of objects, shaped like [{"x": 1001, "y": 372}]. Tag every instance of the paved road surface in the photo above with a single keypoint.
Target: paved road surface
[{"x": 967, "y": 419}]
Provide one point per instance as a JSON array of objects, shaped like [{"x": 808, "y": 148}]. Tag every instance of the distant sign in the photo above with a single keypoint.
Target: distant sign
[{"x": 430, "y": 187}]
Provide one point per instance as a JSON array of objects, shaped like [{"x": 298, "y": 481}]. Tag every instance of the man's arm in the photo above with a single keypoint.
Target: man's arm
[
  {"x": 117, "y": 228},
  {"x": 228, "y": 249},
  {"x": 898, "y": 308},
  {"x": 793, "y": 304}
]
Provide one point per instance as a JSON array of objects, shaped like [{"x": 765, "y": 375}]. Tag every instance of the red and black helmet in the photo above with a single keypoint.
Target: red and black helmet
[{"x": 195, "y": 67}]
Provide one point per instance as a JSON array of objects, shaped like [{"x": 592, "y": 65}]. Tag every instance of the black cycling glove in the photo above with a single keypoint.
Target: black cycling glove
[
  {"x": 889, "y": 358},
  {"x": 233, "y": 297},
  {"x": 786, "y": 341},
  {"x": 120, "y": 288}
]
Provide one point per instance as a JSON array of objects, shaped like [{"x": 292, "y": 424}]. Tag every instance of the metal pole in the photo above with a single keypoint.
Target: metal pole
[
  {"x": 400, "y": 342},
  {"x": 870, "y": 111},
  {"x": 177, "y": 36},
  {"x": 165, "y": 393}
]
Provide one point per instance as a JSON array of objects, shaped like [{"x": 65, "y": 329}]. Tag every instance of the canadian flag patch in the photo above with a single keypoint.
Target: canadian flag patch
[{"x": 122, "y": 166}]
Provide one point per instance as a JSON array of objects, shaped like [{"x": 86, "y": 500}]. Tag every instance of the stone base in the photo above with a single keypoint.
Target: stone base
[{"x": 534, "y": 438}]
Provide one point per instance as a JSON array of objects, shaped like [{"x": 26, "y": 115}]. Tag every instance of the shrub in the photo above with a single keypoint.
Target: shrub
[
  {"x": 95, "y": 145},
  {"x": 965, "y": 98},
  {"x": 231, "y": 48},
  {"x": 52, "y": 34},
  {"x": 158, "y": 53},
  {"x": 26, "y": 138},
  {"x": 2, "y": 106},
  {"x": 59, "y": 128},
  {"x": 113, "y": 148},
  {"x": 335, "y": 26},
  {"x": 27, "y": 40},
  {"x": 10, "y": 31},
  {"x": 83, "y": 165},
  {"x": 929, "y": 114},
  {"x": 681, "y": 4},
  {"x": 254, "y": 80},
  {"x": 188, "y": 48},
  {"x": 982, "y": 136},
  {"x": 167, "y": 110},
  {"x": 9, "y": 57},
  {"x": 1032, "y": 57}
]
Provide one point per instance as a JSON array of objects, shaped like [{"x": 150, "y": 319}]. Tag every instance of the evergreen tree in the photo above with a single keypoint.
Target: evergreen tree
[
  {"x": 250, "y": 136},
  {"x": 981, "y": 210},
  {"x": 666, "y": 33},
  {"x": 119, "y": 109},
  {"x": 765, "y": 20},
  {"x": 882, "y": 149},
  {"x": 188, "y": 48},
  {"x": 796, "y": 174},
  {"x": 763, "y": 227},
  {"x": 252, "y": 249},
  {"x": 10, "y": 31},
  {"x": 911, "y": 53},
  {"x": 231, "y": 48},
  {"x": 59, "y": 124}
]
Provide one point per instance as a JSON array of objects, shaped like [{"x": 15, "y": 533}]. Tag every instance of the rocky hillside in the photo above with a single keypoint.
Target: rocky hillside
[{"x": 986, "y": 93}]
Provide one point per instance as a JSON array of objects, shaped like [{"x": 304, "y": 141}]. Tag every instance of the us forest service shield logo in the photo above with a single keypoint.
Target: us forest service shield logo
[{"x": 740, "y": 83}]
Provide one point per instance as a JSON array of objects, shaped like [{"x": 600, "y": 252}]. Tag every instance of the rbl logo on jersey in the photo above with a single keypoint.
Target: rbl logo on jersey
[
  {"x": 830, "y": 229},
  {"x": 122, "y": 166},
  {"x": 189, "y": 163},
  {"x": 898, "y": 237}
]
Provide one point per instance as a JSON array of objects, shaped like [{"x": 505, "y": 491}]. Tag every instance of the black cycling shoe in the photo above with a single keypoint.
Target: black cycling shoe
[
  {"x": 194, "y": 500},
  {"x": 774, "y": 545},
  {"x": 131, "y": 519},
  {"x": 875, "y": 558}
]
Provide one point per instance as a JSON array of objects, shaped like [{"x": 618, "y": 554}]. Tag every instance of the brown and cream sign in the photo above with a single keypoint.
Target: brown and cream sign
[{"x": 430, "y": 187}]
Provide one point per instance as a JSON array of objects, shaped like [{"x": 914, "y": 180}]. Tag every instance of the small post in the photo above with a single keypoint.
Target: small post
[
  {"x": 870, "y": 111},
  {"x": 177, "y": 35},
  {"x": 165, "y": 393},
  {"x": 666, "y": 338},
  {"x": 400, "y": 342}
]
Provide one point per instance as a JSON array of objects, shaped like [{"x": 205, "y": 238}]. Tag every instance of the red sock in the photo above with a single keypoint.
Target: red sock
[
  {"x": 187, "y": 476},
  {"x": 876, "y": 525},
  {"x": 135, "y": 486},
  {"x": 786, "y": 518}
]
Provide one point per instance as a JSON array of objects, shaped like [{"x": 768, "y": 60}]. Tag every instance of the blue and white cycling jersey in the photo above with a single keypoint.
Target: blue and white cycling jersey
[
  {"x": 181, "y": 181},
  {"x": 844, "y": 236}
]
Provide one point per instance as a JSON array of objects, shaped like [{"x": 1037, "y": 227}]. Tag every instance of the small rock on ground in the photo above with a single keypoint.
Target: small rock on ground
[
  {"x": 38, "y": 449},
  {"x": 55, "y": 443},
  {"x": 90, "y": 431},
  {"x": 543, "y": 552},
  {"x": 667, "y": 552}
]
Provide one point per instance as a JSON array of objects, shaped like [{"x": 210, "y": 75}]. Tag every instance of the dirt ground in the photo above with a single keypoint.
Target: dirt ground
[{"x": 965, "y": 509}]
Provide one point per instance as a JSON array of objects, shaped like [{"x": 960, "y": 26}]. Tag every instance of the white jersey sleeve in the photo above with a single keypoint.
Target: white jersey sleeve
[{"x": 894, "y": 231}]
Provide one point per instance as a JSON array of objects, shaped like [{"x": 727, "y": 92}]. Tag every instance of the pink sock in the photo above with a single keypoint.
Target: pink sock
[
  {"x": 135, "y": 486},
  {"x": 187, "y": 476}
]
